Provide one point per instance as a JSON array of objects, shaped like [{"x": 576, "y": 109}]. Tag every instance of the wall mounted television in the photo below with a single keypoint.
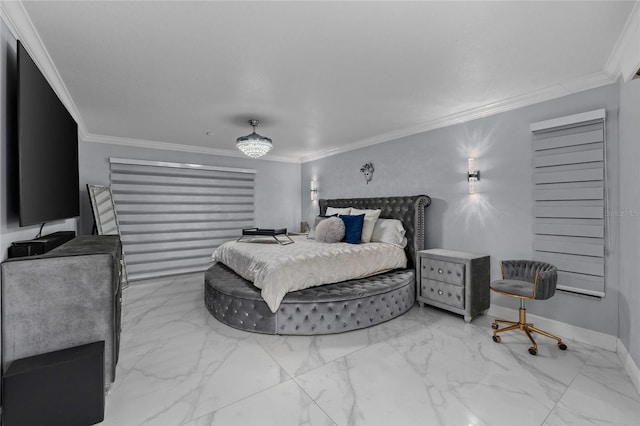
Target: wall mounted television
[{"x": 47, "y": 148}]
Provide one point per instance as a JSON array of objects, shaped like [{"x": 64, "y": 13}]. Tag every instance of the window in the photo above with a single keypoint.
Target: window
[
  {"x": 172, "y": 216},
  {"x": 570, "y": 199}
]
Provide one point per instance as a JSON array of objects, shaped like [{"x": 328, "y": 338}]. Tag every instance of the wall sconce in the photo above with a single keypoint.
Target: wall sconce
[
  {"x": 473, "y": 176},
  {"x": 314, "y": 190}
]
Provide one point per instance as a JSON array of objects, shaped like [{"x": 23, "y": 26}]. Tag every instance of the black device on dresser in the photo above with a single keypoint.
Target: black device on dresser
[{"x": 40, "y": 245}]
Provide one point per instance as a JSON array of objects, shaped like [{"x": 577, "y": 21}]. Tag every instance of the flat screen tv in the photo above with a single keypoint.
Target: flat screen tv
[{"x": 47, "y": 149}]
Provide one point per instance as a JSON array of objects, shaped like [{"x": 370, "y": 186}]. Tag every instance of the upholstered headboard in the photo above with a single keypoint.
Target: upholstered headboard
[{"x": 410, "y": 210}]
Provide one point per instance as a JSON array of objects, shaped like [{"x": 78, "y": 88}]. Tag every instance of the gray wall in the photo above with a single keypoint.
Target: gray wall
[
  {"x": 629, "y": 217},
  {"x": 277, "y": 190},
  {"x": 498, "y": 219},
  {"x": 10, "y": 229}
]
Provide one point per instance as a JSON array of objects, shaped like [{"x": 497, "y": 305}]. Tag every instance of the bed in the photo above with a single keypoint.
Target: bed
[{"x": 329, "y": 308}]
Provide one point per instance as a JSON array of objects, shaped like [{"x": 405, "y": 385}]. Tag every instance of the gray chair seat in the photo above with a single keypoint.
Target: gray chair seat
[{"x": 516, "y": 287}]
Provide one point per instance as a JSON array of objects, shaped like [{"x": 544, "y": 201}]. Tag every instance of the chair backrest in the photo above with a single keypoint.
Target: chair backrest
[{"x": 528, "y": 270}]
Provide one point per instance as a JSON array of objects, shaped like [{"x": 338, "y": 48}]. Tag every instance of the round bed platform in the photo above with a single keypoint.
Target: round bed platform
[{"x": 330, "y": 308}]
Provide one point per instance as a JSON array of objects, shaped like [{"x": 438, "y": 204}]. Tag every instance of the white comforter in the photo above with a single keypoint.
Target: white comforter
[{"x": 278, "y": 269}]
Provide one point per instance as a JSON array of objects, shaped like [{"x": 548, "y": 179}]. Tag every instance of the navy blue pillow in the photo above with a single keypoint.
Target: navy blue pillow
[{"x": 353, "y": 228}]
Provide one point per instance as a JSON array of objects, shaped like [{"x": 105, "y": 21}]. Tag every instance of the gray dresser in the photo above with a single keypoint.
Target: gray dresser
[
  {"x": 67, "y": 297},
  {"x": 454, "y": 280}
]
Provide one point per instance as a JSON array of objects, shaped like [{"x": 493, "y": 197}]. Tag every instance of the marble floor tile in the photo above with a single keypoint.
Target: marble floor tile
[
  {"x": 284, "y": 404},
  {"x": 177, "y": 368},
  {"x": 299, "y": 354},
  {"x": 593, "y": 403},
  {"x": 180, "y": 366},
  {"x": 184, "y": 378},
  {"x": 488, "y": 378},
  {"x": 376, "y": 386},
  {"x": 414, "y": 317},
  {"x": 602, "y": 394}
]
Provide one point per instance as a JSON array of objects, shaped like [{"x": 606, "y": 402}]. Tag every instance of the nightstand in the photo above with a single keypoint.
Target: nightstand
[{"x": 454, "y": 280}]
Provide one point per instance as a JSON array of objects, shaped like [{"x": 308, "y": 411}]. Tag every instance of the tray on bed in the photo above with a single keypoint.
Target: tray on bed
[{"x": 266, "y": 232}]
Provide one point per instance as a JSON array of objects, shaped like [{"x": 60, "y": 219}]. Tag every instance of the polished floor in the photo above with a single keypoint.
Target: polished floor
[{"x": 179, "y": 366}]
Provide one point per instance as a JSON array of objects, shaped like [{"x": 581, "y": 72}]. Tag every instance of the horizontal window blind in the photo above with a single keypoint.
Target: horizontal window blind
[
  {"x": 172, "y": 216},
  {"x": 570, "y": 199}
]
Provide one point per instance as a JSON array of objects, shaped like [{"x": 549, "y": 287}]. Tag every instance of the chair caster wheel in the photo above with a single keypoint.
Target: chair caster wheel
[
  {"x": 494, "y": 325},
  {"x": 562, "y": 346},
  {"x": 497, "y": 339},
  {"x": 533, "y": 351}
]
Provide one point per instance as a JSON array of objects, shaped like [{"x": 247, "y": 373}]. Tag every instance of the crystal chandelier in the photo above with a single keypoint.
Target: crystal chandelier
[{"x": 254, "y": 145}]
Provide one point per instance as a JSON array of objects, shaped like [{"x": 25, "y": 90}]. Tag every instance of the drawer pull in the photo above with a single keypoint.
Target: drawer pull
[
  {"x": 439, "y": 271},
  {"x": 440, "y": 292}
]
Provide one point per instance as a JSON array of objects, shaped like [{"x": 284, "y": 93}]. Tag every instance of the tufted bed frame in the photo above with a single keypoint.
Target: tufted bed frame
[{"x": 330, "y": 308}]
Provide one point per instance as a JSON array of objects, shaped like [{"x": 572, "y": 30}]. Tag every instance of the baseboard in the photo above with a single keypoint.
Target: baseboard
[
  {"x": 632, "y": 369},
  {"x": 566, "y": 331}
]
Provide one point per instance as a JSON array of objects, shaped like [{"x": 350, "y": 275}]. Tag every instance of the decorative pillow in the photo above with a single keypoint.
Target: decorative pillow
[
  {"x": 370, "y": 218},
  {"x": 353, "y": 228},
  {"x": 330, "y": 230},
  {"x": 331, "y": 211},
  {"x": 389, "y": 231},
  {"x": 312, "y": 231}
]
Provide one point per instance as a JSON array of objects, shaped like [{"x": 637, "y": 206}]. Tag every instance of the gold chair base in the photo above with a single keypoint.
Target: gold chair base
[{"x": 523, "y": 325}]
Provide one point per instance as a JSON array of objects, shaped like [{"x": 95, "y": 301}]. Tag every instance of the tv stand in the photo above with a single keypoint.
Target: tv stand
[
  {"x": 68, "y": 297},
  {"x": 40, "y": 245}
]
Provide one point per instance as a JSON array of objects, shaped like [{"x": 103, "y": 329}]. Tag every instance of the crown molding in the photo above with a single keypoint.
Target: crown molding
[
  {"x": 625, "y": 58},
  {"x": 589, "y": 81},
  {"x": 167, "y": 146},
  {"x": 20, "y": 24},
  {"x": 579, "y": 84}
]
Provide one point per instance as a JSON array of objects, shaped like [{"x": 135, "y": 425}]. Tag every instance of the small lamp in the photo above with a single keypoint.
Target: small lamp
[
  {"x": 314, "y": 190},
  {"x": 473, "y": 175}
]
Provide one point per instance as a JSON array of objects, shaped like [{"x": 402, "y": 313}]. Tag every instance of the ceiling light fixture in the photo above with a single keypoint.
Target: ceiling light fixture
[{"x": 254, "y": 145}]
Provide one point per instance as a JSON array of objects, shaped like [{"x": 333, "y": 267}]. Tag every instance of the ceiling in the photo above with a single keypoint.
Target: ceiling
[{"x": 322, "y": 77}]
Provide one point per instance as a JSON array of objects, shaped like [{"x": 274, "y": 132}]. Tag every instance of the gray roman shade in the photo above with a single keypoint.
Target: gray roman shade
[
  {"x": 172, "y": 216},
  {"x": 570, "y": 199}
]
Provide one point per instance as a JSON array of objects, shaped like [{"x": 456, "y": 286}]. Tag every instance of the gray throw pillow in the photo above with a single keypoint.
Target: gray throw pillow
[
  {"x": 330, "y": 230},
  {"x": 312, "y": 231}
]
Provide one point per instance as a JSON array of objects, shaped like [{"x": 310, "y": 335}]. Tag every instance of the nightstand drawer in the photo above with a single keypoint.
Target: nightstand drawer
[
  {"x": 438, "y": 291},
  {"x": 439, "y": 270}
]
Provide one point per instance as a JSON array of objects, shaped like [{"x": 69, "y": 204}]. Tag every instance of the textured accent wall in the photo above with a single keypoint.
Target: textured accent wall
[{"x": 498, "y": 220}]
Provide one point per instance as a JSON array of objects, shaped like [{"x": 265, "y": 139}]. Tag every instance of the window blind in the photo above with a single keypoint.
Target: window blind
[
  {"x": 570, "y": 199},
  {"x": 172, "y": 216}
]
